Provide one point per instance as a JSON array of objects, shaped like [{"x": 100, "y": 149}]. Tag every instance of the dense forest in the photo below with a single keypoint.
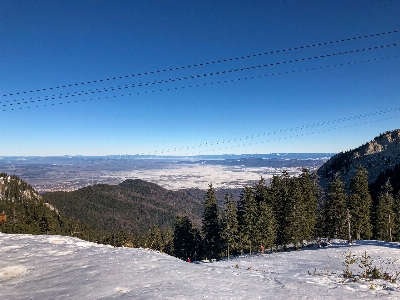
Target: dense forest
[
  {"x": 286, "y": 212},
  {"x": 133, "y": 206},
  {"x": 23, "y": 210}
]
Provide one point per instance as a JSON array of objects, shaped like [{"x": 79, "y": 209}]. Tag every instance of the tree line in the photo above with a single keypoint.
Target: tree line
[{"x": 288, "y": 212}]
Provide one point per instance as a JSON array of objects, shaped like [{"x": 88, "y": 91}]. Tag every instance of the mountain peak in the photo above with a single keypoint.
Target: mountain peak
[{"x": 378, "y": 155}]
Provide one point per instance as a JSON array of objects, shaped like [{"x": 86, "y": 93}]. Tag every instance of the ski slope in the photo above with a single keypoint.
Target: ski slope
[{"x": 58, "y": 267}]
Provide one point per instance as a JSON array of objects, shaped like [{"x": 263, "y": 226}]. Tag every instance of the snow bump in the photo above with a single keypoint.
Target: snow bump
[{"x": 13, "y": 272}]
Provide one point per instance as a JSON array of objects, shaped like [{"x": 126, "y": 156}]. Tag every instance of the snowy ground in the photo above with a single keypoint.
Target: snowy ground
[{"x": 57, "y": 267}]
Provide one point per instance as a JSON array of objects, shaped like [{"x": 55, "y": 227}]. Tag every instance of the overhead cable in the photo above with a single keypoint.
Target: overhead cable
[
  {"x": 205, "y": 63},
  {"x": 247, "y": 143},
  {"x": 15, "y": 106},
  {"x": 278, "y": 132},
  {"x": 88, "y": 92}
]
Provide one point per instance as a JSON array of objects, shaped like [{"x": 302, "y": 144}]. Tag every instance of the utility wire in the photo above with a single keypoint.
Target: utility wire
[
  {"x": 278, "y": 132},
  {"x": 246, "y": 141},
  {"x": 10, "y": 106},
  {"x": 292, "y": 136},
  {"x": 109, "y": 161},
  {"x": 88, "y": 92},
  {"x": 206, "y": 63}
]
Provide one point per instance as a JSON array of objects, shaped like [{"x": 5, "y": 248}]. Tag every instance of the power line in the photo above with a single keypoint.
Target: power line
[
  {"x": 241, "y": 142},
  {"x": 87, "y": 92},
  {"x": 109, "y": 161},
  {"x": 292, "y": 136},
  {"x": 274, "y": 133},
  {"x": 247, "y": 141},
  {"x": 176, "y": 88},
  {"x": 206, "y": 63}
]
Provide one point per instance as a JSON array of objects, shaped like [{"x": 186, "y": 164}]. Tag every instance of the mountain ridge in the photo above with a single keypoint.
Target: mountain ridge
[{"x": 377, "y": 156}]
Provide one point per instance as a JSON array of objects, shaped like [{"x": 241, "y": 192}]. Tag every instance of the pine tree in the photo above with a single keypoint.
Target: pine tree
[
  {"x": 296, "y": 218},
  {"x": 155, "y": 240},
  {"x": 280, "y": 193},
  {"x": 198, "y": 245},
  {"x": 265, "y": 223},
  {"x": 336, "y": 210},
  {"x": 248, "y": 228},
  {"x": 211, "y": 226},
  {"x": 266, "y": 226},
  {"x": 184, "y": 238},
  {"x": 168, "y": 238},
  {"x": 360, "y": 202},
  {"x": 261, "y": 192},
  {"x": 396, "y": 221},
  {"x": 310, "y": 192},
  {"x": 385, "y": 213},
  {"x": 230, "y": 225}
]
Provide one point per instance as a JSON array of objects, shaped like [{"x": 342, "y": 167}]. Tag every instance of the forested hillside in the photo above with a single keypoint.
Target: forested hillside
[
  {"x": 25, "y": 211},
  {"x": 219, "y": 194},
  {"x": 133, "y": 206},
  {"x": 393, "y": 174},
  {"x": 380, "y": 155}
]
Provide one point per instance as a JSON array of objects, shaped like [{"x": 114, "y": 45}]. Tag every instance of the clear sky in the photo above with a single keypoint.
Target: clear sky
[{"x": 50, "y": 44}]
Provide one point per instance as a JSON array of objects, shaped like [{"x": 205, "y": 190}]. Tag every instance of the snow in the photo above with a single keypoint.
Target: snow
[
  {"x": 58, "y": 267},
  {"x": 183, "y": 176}
]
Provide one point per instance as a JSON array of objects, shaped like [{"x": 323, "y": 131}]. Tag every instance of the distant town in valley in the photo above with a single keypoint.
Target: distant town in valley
[{"x": 68, "y": 173}]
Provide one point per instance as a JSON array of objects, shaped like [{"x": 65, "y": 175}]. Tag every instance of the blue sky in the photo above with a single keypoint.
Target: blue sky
[{"x": 49, "y": 44}]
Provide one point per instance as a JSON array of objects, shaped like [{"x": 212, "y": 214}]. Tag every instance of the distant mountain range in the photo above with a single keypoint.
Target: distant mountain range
[
  {"x": 135, "y": 206},
  {"x": 73, "y": 158},
  {"x": 69, "y": 173}
]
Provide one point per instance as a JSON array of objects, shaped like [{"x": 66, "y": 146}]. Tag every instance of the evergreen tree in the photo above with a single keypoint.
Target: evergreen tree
[
  {"x": 248, "y": 228},
  {"x": 198, "y": 245},
  {"x": 360, "y": 202},
  {"x": 261, "y": 192},
  {"x": 336, "y": 210},
  {"x": 396, "y": 221},
  {"x": 310, "y": 192},
  {"x": 385, "y": 213},
  {"x": 184, "y": 238},
  {"x": 211, "y": 226},
  {"x": 240, "y": 218},
  {"x": 230, "y": 225},
  {"x": 319, "y": 230},
  {"x": 296, "y": 218},
  {"x": 266, "y": 226},
  {"x": 168, "y": 238},
  {"x": 280, "y": 193},
  {"x": 155, "y": 240}
]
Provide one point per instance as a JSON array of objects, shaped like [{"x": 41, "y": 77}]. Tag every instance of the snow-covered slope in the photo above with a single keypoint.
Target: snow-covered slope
[{"x": 57, "y": 267}]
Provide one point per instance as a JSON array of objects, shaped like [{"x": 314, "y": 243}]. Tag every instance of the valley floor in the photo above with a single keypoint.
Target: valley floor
[{"x": 58, "y": 267}]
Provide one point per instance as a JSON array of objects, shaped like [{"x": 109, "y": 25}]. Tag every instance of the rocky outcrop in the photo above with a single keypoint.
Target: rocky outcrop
[
  {"x": 377, "y": 156},
  {"x": 13, "y": 188}
]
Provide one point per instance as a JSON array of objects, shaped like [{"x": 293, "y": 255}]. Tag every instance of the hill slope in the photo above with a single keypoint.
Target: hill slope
[
  {"x": 56, "y": 267},
  {"x": 377, "y": 156},
  {"x": 133, "y": 205},
  {"x": 219, "y": 193},
  {"x": 25, "y": 210}
]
